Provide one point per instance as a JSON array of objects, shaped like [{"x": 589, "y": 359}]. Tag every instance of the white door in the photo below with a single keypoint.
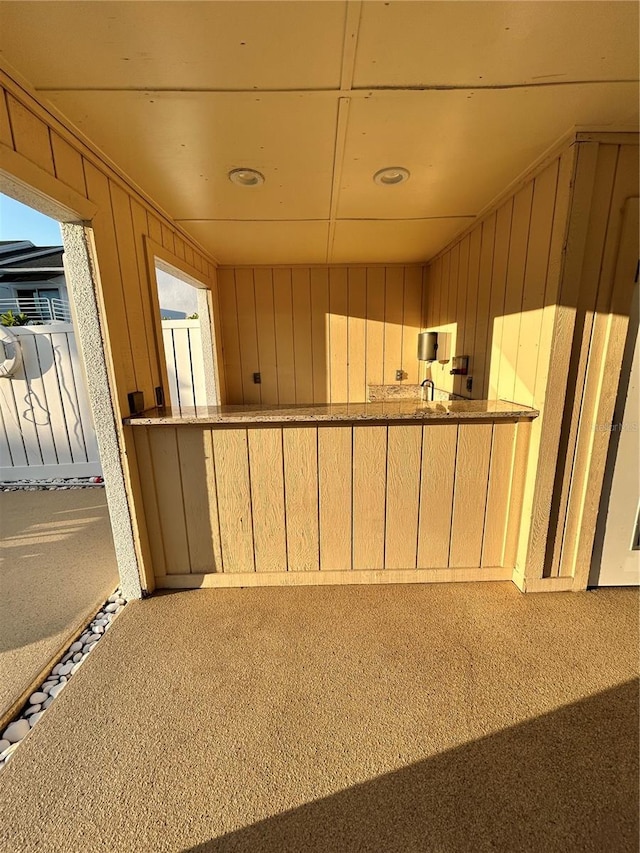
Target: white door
[{"x": 620, "y": 565}]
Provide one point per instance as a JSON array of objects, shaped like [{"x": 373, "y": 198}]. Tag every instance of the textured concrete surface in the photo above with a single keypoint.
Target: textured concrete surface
[
  {"x": 57, "y": 565},
  {"x": 333, "y": 720}
]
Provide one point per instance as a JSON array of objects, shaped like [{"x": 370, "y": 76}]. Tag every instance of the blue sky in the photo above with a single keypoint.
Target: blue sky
[{"x": 19, "y": 222}]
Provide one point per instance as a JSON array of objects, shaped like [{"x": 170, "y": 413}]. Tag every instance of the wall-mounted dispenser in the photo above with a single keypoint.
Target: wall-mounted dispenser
[
  {"x": 460, "y": 365},
  {"x": 428, "y": 346}
]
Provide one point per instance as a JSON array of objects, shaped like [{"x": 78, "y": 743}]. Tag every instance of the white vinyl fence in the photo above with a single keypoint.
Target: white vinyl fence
[
  {"x": 46, "y": 427},
  {"x": 185, "y": 364}
]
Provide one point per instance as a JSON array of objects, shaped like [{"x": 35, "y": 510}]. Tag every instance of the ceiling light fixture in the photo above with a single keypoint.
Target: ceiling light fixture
[
  {"x": 246, "y": 177},
  {"x": 391, "y": 175}
]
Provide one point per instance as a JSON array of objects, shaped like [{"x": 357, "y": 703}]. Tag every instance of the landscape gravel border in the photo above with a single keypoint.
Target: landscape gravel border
[
  {"x": 59, "y": 676},
  {"x": 49, "y": 485}
]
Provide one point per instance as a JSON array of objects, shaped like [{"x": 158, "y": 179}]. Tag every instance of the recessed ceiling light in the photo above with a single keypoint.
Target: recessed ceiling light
[
  {"x": 246, "y": 177},
  {"x": 391, "y": 175}
]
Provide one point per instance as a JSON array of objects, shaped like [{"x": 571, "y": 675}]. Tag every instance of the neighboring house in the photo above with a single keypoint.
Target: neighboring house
[{"x": 32, "y": 281}]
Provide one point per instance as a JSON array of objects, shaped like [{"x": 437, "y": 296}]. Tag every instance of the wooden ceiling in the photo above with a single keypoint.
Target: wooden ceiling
[{"x": 320, "y": 95}]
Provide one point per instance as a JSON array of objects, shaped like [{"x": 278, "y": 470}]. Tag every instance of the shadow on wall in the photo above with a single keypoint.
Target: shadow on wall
[{"x": 567, "y": 781}]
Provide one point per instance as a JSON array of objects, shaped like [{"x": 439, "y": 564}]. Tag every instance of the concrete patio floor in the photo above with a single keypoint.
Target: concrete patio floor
[
  {"x": 57, "y": 566},
  {"x": 334, "y": 720}
]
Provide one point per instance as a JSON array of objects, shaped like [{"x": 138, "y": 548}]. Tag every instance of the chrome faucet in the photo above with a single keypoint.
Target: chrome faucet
[{"x": 428, "y": 383}]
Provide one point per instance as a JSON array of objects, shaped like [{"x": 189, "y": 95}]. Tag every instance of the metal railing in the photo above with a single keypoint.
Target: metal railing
[{"x": 39, "y": 309}]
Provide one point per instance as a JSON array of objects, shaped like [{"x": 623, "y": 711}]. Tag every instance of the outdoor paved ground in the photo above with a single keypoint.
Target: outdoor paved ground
[
  {"x": 451, "y": 718},
  {"x": 57, "y": 565}
]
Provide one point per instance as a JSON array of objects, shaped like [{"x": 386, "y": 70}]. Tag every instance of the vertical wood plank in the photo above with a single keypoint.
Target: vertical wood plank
[
  {"x": 267, "y": 499},
  {"x": 498, "y": 285},
  {"x": 461, "y": 306},
  {"x": 150, "y": 500},
  {"x": 140, "y": 334},
  {"x": 471, "y": 318},
  {"x": 320, "y": 333},
  {"x": 470, "y": 494},
  {"x": 411, "y": 322},
  {"x": 198, "y": 492},
  {"x": 5, "y": 127},
  {"x": 166, "y": 470},
  {"x": 542, "y": 213},
  {"x": 247, "y": 334},
  {"x": 514, "y": 290},
  {"x": 234, "y": 499},
  {"x": 155, "y": 229},
  {"x": 334, "y": 492},
  {"x": 403, "y": 495},
  {"x": 357, "y": 335},
  {"x": 482, "y": 333},
  {"x": 436, "y": 494},
  {"x": 516, "y": 498},
  {"x": 338, "y": 335},
  {"x": 303, "y": 353},
  {"x": 369, "y": 496},
  {"x": 393, "y": 310},
  {"x": 301, "y": 497},
  {"x": 265, "y": 324},
  {"x": 230, "y": 337},
  {"x": 148, "y": 293},
  {"x": 283, "y": 304},
  {"x": 375, "y": 325},
  {"x": 68, "y": 164},
  {"x": 212, "y": 488},
  {"x": 30, "y": 135},
  {"x": 498, "y": 494}
]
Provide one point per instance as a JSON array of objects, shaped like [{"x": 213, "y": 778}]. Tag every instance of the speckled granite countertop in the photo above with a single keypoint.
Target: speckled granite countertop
[{"x": 399, "y": 410}]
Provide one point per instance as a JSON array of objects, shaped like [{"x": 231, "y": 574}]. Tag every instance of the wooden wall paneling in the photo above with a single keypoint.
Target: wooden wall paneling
[
  {"x": 319, "y": 279},
  {"x": 519, "y": 478},
  {"x": 335, "y": 496},
  {"x": 504, "y": 219},
  {"x": 444, "y": 316},
  {"x": 300, "y": 445},
  {"x": 111, "y": 283},
  {"x": 216, "y": 328},
  {"x": 150, "y": 501},
  {"x": 601, "y": 207},
  {"x": 452, "y": 289},
  {"x": 68, "y": 164},
  {"x": 375, "y": 325},
  {"x": 535, "y": 279},
  {"x": 369, "y": 496},
  {"x": 248, "y": 335},
  {"x": 140, "y": 335},
  {"x": 155, "y": 228},
  {"x": 498, "y": 494},
  {"x": 338, "y": 334},
  {"x": 30, "y": 135},
  {"x": 188, "y": 254},
  {"x": 168, "y": 240},
  {"x": 214, "y": 515},
  {"x": 393, "y": 310},
  {"x": 283, "y": 305},
  {"x": 411, "y": 322},
  {"x": 619, "y": 268},
  {"x": 470, "y": 494},
  {"x": 6, "y": 137},
  {"x": 403, "y": 495},
  {"x": 179, "y": 246},
  {"x": 266, "y": 330},
  {"x": 482, "y": 339},
  {"x": 513, "y": 292},
  {"x": 357, "y": 335},
  {"x": 148, "y": 295},
  {"x": 230, "y": 336},
  {"x": 231, "y": 461},
  {"x": 461, "y": 306},
  {"x": 302, "y": 341},
  {"x": 166, "y": 468},
  {"x": 471, "y": 310},
  {"x": 267, "y": 499},
  {"x": 439, "y": 444},
  {"x": 198, "y": 493},
  {"x": 546, "y": 435}
]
